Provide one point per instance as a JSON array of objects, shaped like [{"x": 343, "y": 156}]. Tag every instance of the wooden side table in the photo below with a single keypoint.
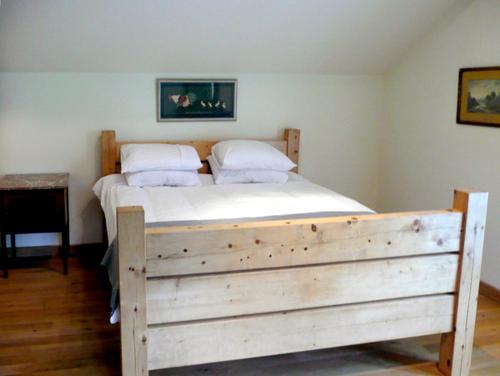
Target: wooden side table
[{"x": 33, "y": 203}]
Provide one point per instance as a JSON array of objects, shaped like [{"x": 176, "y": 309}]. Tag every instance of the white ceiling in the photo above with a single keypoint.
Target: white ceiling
[{"x": 212, "y": 36}]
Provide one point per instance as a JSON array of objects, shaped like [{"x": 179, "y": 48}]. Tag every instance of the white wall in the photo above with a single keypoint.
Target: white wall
[
  {"x": 426, "y": 154},
  {"x": 52, "y": 121}
]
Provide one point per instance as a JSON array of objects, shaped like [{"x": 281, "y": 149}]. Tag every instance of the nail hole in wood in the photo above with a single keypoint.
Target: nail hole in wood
[
  {"x": 203, "y": 263},
  {"x": 185, "y": 250},
  {"x": 230, "y": 245},
  {"x": 313, "y": 228},
  {"x": 257, "y": 241}
]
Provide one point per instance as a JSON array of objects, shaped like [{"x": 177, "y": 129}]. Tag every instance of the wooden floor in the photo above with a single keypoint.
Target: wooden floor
[{"x": 51, "y": 324}]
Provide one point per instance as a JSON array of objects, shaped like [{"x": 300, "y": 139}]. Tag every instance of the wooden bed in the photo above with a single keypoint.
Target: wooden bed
[{"x": 209, "y": 293}]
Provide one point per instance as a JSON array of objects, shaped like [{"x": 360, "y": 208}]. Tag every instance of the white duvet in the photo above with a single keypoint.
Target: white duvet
[{"x": 212, "y": 202}]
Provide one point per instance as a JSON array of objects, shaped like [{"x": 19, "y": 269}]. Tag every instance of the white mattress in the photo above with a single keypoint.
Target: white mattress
[{"x": 217, "y": 202}]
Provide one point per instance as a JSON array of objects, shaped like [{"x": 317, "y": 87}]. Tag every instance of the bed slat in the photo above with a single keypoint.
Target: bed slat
[
  {"x": 244, "y": 293},
  {"x": 222, "y": 340},
  {"x": 217, "y": 248}
]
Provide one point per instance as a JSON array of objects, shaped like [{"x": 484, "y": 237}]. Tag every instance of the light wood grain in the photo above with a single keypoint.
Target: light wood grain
[
  {"x": 456, "y": 347},
  {"x": 292, "y": 137},
  {"x": 132, "y": 269},
  {"x": 351, "y": 261},
  {"x": 219, "y": 248},
  {"x": 222, "y": 340},
  {"x": 222, "y": 295},
  {"x": 108, "y": 152}
]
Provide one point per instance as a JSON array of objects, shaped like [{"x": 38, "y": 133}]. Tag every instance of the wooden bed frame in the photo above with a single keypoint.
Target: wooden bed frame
[{"x": 209, "y": 293}]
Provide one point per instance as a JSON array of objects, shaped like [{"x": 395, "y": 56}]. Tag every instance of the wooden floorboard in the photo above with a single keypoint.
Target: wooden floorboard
[{"x": 51, "y": 324}]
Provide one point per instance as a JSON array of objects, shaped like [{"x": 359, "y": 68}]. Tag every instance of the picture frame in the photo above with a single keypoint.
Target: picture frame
[
  {"x": 479, "y": 96},
  {"x": 196, "y": 99}
]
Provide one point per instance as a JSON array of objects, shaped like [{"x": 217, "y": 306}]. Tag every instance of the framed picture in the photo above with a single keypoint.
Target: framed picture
[
  {"x": 479, "y": 96},
  {"x": 196, "y": 100}
]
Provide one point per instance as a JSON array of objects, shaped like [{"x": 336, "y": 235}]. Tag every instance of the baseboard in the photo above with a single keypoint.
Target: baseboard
[{"x": 489, "y": 291}]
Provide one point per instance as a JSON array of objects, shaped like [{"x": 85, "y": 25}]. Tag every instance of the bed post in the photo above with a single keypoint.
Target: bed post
[
  {"x": 292, "y": 138},
  {"x": 456, "y": 347},
  {"x": 108, "y": 150},
  {"x": 132, "y": 269}
]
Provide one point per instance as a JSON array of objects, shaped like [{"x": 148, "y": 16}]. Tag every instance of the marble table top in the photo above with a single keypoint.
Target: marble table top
[{"x": 33, "y": 181}]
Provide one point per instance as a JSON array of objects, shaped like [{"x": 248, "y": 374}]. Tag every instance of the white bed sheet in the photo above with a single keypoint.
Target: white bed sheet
[{"x": 213, "y": 202}]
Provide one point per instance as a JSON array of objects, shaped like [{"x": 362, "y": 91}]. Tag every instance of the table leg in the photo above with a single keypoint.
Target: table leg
[
  {"x": 3, "y": 251},
  {"x": 13, "y": 244},
  {"x": 65, "y": 234},
  {"x": 65, "y": 248}
]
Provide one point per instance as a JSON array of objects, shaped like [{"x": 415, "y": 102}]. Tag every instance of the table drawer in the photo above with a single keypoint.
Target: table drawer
[{"x": 34, "y": 211}]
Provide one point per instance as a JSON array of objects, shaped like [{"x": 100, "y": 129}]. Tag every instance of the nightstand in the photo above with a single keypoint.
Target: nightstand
[{"x": 33, "y": 203}]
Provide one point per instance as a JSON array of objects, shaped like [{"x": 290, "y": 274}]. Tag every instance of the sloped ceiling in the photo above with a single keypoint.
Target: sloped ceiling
[{"x": 212, "y": 36}]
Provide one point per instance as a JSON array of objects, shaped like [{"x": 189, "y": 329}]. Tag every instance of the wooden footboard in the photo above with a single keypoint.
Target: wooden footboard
[{"x": 200, "y": 294}]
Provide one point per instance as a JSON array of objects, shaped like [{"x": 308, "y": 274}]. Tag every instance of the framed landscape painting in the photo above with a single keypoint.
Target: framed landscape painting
[
  {"x": 479, "y": 96},
  {"x": 196, "y": 99}
]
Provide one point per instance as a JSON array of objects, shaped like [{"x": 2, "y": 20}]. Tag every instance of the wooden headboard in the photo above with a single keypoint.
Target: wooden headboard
[{"x": 110, "y": 149}]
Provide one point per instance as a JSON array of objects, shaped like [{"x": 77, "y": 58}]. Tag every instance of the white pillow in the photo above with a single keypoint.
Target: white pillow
[
  {"x": 173, "y": 178},
  {"x": 245, "y": 154},
  {"x": 150, "y": 157},
  {"x": 222, "y": 176}
]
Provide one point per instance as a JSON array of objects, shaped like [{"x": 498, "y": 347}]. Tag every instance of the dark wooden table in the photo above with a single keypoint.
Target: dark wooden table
[{"x": 33, "y": 203}]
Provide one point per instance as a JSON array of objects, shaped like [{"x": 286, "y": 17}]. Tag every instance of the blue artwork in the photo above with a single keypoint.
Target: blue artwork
[{"x": 194, "y": 100}]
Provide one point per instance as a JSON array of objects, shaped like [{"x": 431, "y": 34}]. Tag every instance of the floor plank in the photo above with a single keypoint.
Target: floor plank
[{"x": 52, "y": 324}]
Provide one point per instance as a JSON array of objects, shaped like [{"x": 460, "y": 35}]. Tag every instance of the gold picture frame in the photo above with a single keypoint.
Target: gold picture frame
[{"x": 479, "y": 96}]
